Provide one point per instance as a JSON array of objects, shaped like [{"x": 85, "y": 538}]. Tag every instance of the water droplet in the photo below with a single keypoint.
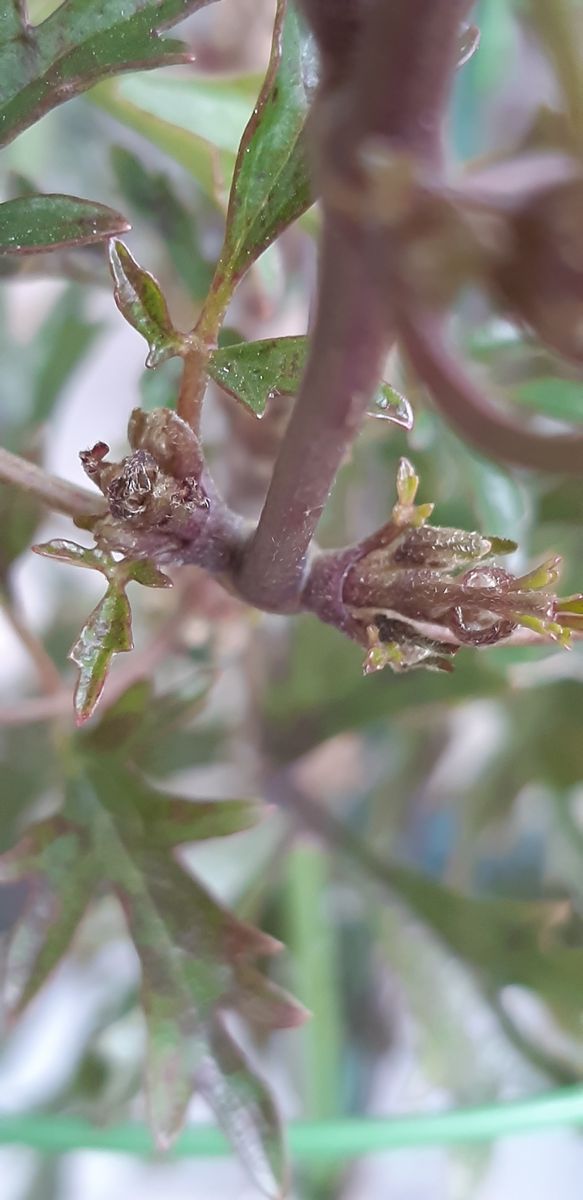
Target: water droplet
[{"x": 390, "y": 405}]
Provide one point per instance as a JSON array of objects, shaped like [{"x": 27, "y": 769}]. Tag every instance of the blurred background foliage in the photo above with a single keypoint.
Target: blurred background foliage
[{"x": 422, "y": 856}]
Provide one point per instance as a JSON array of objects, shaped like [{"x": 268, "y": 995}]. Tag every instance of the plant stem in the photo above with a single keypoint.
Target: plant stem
[
  {"x": 345, "y": 362},
  {"x": 56, "y": 493},
  {"x": 49, "y": 677},
  {"x": 403, "y": 65},
  {"x": 192, "y": 388}
]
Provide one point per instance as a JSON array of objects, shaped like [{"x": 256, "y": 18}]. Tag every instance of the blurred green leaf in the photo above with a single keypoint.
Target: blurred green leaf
[
  {"x": 34, "y": 223},
  {"x": 159, "y": 388},
  {"x": 561, "y": 399},
  {"x": 199, "y": 122},
  {"x": 321, "y": 692},
  {"x": 153, "y": 196},
  {"x": 505, "y": 941},
  {"x": 140, "y": 300},
  {"x": 115, "y": 830},
  {"x": 61, "y": 344},
  {"x": 271, "y": 186},
  {"x": 81, "y": 42}
]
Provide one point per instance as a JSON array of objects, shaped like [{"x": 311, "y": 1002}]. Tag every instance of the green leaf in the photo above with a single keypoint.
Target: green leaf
[
  {"x": 140, "y": 300},
  {"x": 115, "y": 832},
  {"x": 81, "y": 42},
  {"x": 38, "y": 223},
  {"x": 560, "y": 399},
  {"x": 153, "y": 196},
  {"x": 198, "y": 121},
  {"x": 61, "y": 344},
  {"x": 256, "y": 372},
  {"x": 505, "y": 941},
  {"x": 245, "y": 1111},
  {"x": 271, "y": 186},
  {"x": 107, "y": 631}
]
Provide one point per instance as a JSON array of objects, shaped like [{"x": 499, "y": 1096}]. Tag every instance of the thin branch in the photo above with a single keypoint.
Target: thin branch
[
  {"x": 467, "y": 407},
  {"x": 49, "y": 677},
  {"x": 55, "y": 493},
  {"x": 37, "y": 708}
]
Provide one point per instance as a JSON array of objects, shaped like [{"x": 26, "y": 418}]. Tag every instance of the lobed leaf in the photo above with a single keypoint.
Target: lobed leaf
[
  {"x": 245, "y": 1111},
  {"x": 117, "y": 832},
  {"x": 80, "y": 43},
  {"x": 78, "y": 556},
  {"x": 107, "y": 631},
  {"x": 256, "y": 372},
  {"x": 32, "y": 224},
  {"x": 271, "y": 185},
  {"x": 140, "y": 300}
]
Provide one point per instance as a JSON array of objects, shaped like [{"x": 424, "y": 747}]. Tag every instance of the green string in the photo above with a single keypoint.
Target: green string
[{"x": 338, "y": 1140}]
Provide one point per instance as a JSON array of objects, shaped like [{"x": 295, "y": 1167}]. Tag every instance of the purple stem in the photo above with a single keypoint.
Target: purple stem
[
  {"x": 469, "y": 410},
  {"x": 403, "y": 66},
  {"x": 347, "y": 350}
]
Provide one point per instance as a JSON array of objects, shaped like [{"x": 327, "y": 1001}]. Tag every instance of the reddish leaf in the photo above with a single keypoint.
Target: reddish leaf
[{"x": 117, "y": 832}]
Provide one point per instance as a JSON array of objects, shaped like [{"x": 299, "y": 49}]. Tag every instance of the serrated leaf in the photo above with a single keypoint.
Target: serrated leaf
[
  {"x": 245, "y": 1111},
  {"x": 33, "y": 224},
  {"x": 89, "y": 557},
  {"x": 140, "y": 300},
  {"x": 114, "y": 833},
  {"x": 256, "y": 372},
  {"x": 271, "y": 185},
  {"x": 107, "y": 631},
  {"x": 79, "y": 44}
]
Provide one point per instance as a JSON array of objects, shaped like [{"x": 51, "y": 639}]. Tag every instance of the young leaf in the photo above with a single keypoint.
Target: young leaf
[
  {"x": 107, "y": 631},
  {"x": 116, "y": 831},
  {"x": 33, "y": 224},
  {"x": 139, "y": 298},
  {"x": 271, "y": 186},
  {"x": 81, "y": 42},
  {"x": 257, "y": 372}
]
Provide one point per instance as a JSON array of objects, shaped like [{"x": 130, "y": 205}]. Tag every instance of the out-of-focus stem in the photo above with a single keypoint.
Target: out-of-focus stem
[
  {"x": 56, "y": 493},
  {"x": 48, "y": 675},
  {"x": 468, "y": 408}
]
